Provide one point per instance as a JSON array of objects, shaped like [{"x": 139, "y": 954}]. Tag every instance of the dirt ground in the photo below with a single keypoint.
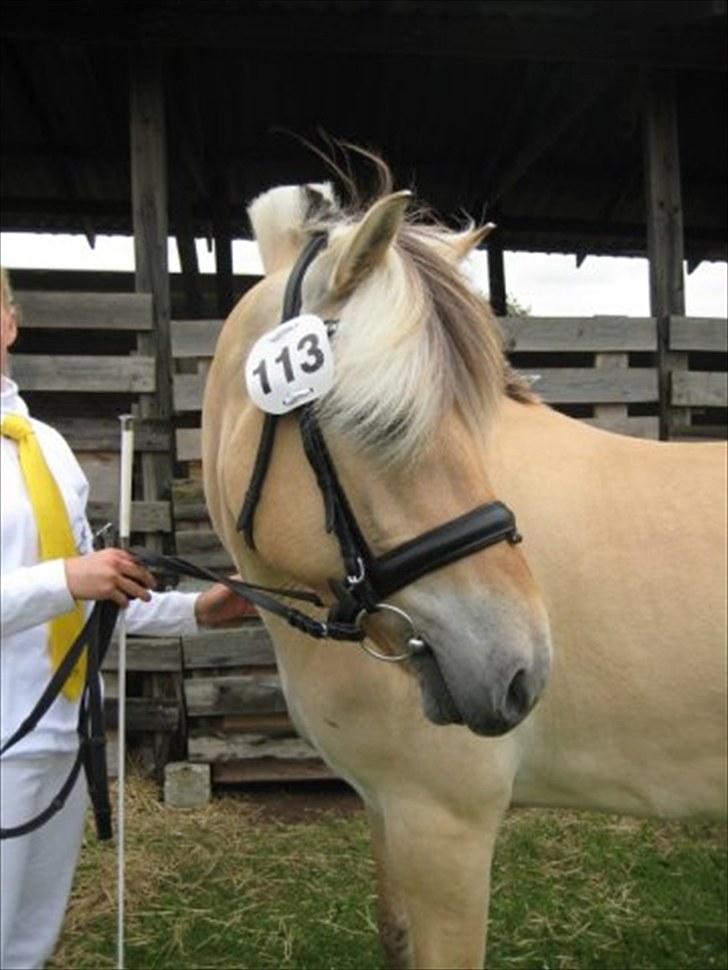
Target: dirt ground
[{"x": 299, "y": 802}]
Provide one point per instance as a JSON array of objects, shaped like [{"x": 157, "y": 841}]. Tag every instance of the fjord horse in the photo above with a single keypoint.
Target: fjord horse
[{"x": 584, "y": 667}]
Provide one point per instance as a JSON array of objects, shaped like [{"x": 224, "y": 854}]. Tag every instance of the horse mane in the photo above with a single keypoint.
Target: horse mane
[{"x": 414, "y": 341}]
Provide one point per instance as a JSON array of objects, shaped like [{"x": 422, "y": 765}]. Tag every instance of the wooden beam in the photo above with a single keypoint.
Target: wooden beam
[
  {"x": 665, "y": 245},
  {"x": 223, "y": 242},
  {"x": 497, "y": 279},
  {"x": 149, "y": 207},
  {"x": 501, "y": 32},
  {"x": 150, "y": 220},
  {"x": 548, "y": 129},
  {"x": 31, "y": 90}
]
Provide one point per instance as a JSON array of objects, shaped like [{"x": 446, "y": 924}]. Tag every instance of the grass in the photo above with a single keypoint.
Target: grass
[{"x": 230, "y": 886}]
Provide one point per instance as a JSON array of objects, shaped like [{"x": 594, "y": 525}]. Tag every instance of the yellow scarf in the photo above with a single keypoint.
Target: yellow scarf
[{"x": 55, "y": 539}]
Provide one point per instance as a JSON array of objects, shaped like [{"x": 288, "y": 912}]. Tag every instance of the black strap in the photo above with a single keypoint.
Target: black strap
[
  {"x": 55, "y": 806},
  {"x": 84, "y": 640},
  {"x": 292, "y": 300},
  {"x": 94, "y": 637},
  {"x": 339, "y": 517},
  {"x": 483, "y": 526},
  {"x": 257, "y": 595},
  {"x": 255, "y": 486}
]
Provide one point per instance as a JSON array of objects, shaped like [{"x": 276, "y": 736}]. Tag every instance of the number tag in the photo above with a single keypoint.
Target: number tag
[{"x": 291, "y": 365}]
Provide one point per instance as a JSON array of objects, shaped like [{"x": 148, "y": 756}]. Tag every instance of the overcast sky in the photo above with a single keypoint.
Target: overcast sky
[{"x": 548, "y": 285}]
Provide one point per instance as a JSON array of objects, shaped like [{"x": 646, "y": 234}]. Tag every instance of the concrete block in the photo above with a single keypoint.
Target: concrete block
[{"x": 186, "y": 785}]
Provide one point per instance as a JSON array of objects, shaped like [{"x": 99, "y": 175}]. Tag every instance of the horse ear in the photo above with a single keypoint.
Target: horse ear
[
  {"x": 369, "y": 242},
  {"x": 279, "y": 217},
  {"x": 461, "y": 244}
]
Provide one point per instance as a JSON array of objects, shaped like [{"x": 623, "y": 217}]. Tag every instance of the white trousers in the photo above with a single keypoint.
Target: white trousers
[{"x": 36, "y": 870}]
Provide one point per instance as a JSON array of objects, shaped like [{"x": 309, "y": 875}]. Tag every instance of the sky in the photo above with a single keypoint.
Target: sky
[{"x": 547, "y": 285}]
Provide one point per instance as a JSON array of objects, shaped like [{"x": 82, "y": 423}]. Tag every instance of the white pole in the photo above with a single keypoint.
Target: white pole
[{"x": 125, "y": 483}]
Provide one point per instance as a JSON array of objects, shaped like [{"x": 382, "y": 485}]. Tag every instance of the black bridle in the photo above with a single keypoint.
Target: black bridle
[{"x": 368, "y": 579}]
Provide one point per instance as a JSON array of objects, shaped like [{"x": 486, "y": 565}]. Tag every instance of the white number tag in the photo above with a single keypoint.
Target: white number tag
[{"x": 291, "y": 365}]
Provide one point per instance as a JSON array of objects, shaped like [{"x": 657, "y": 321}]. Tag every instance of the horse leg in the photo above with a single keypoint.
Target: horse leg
[
  {"x": 439, "y": 863},
  {"x": 394, "y": 934}
]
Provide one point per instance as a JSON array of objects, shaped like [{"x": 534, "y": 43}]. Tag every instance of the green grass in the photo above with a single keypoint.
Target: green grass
[{"x": 228, "y": 887}]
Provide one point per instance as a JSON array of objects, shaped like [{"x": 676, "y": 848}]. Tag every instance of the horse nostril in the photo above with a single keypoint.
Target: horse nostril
[{"x": 517, "y": 697}]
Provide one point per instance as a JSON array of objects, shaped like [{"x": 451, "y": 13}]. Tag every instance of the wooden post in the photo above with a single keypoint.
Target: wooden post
[
  {"x": 223, "y": 243},
  {"x": 665, "y": 247},
  {"x": 497, "y": 278},
  {"x": 149, "y": 207}
]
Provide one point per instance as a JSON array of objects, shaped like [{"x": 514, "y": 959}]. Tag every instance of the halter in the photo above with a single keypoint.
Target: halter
[{"x": 368, "y": 579}]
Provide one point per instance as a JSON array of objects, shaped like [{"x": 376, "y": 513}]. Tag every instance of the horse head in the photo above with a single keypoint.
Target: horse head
[{"x": 418, "y": 378}]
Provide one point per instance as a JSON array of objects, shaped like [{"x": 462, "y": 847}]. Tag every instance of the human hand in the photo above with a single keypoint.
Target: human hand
[
  {"x": 219, "y": 606},
  {"x": 110, "y": 574}
]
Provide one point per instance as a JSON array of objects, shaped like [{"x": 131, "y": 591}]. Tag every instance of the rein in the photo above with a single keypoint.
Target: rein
[{"x": 94, "y": 638}]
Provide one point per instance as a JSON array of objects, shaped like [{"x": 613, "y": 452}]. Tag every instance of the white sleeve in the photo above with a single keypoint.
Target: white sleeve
[
  {"x": 32, "y": 595},
  {"x": 164, "y": 615}
]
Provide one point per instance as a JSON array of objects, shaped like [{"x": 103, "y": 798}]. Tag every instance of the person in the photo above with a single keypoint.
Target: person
[{"x": 44, "y": 594}]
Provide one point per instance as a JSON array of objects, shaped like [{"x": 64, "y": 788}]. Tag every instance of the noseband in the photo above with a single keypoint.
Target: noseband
[{"x": 368, "y": 579}]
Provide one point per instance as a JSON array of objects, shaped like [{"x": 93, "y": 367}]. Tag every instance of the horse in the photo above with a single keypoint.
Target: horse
[{"x": 583, "y": 667}]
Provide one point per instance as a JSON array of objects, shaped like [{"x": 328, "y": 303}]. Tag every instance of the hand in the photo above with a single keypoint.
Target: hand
[
  {"x": 111, "y": 574},
  {"x": 219, "y": 606}
]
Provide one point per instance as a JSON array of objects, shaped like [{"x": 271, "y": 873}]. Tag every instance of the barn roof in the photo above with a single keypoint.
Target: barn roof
[{"x": 526, "y": 112}]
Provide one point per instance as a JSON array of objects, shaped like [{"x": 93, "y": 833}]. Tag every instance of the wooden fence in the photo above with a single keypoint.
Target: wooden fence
[{"x": 216, "y": 697}]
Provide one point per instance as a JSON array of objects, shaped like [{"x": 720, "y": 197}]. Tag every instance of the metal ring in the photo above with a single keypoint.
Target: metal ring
[
  {"x": 415, "y": 642},
  {"x": 357, "y": 580}
]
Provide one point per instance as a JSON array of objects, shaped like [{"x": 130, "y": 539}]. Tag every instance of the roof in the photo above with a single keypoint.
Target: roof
[{"x": 525, "y": 112}]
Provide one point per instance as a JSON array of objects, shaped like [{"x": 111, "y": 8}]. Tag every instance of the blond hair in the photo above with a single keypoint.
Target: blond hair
[{"x": 7, "y": 290}]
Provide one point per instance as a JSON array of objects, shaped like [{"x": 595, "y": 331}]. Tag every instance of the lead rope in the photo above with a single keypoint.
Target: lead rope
[{"x": 125, "y": 483}]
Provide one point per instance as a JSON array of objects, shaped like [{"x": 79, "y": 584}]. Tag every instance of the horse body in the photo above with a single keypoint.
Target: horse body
[
  {"x": 625, "y": 538},
  {"x": 623, "y": 550}
]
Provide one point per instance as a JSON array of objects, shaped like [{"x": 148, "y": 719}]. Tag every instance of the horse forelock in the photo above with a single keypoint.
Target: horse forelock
[{"x": 414, "y": 342}]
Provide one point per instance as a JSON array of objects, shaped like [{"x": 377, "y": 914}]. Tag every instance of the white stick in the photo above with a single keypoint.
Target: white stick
[{"x": 125, "y": 482}]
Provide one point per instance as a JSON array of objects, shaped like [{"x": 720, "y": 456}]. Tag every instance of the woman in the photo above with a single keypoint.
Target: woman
[{"x": 42, "y": 597}]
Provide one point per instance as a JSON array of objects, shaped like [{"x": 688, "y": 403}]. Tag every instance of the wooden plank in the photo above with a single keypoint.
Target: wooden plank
[
  {"x": 187, "y": 392},
  {"x": 195, "y": 338},
  {"x": 217, "y": 559},
  {"x": 272, "y": 725},
  {"x": 246, "y": 646},
  {"x": 144, "y": 714},
  {"x": 580, "y": 334},
  {"x": 699, "y": 333},
  {"x": 197, "y": 540},
  {"x": 145, "y": 516},
  {"x": 707, "y": 389},
  {"x": 247, "y": 747},
  {"x": 103, "y": 434},
  {"x": 85, "y": 311},
  {"x": 270, "y": 769},
  {"x": 611, "y": 415},
  {"x": 188, "y": 500},
  {"x": 208, "y": 696},
  {"x": 188, "y": 444},
  {"x": 636, "y": 427},
  {"x": 110, "y": 374},
  {"x": 578, "y": 385},
  {"x": 146, "y": 654}
]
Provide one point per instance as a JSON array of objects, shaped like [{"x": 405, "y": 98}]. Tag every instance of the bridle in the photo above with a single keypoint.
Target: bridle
[{"x": 368, "y": 579}]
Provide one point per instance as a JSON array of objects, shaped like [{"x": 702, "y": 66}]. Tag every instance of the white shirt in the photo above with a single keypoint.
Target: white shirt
[{"x": 33, "y": 592}]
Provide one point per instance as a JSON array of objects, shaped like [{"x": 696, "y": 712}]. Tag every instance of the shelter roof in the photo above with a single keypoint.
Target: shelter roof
[{"x": 525, "y": 112}]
